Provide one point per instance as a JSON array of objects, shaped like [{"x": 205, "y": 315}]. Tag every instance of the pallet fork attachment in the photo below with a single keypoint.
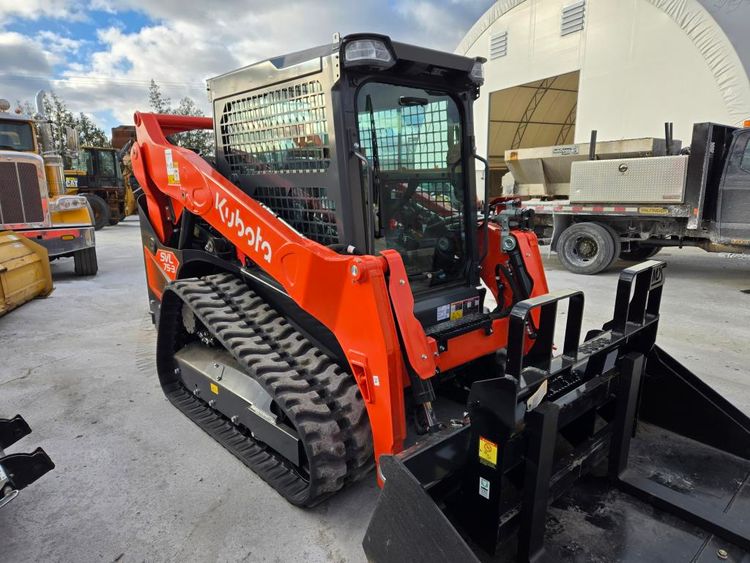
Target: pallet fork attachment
[
  {"x": 610, "y": 450},
  {"x": 18, "y": 470}
]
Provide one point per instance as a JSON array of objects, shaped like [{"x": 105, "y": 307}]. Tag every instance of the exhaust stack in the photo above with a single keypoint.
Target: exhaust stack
[
  {"x": 53, "y": 162},
  {"x": 45, "y": 131},
  {"x": 669, "y": 137}
]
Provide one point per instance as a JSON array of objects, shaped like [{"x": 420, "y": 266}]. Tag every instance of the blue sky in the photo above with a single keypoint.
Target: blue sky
[{"x": 99, "y": 55}]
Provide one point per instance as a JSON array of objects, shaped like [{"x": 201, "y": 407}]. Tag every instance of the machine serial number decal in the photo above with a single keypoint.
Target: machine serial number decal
[
  {"x": 168, "y": 262},
  {"x": 253, "y": 235},
  {"x": 566, "y": 150},
  {"x": 443, "y": 313},
  {"x": 487, "y": 452}
]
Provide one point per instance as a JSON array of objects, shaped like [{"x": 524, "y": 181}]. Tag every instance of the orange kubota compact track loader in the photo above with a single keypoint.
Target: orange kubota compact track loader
[{"x": 330, "y": 296}]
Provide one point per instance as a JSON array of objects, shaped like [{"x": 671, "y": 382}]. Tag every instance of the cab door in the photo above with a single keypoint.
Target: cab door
[{"x": 734, "y": 197}]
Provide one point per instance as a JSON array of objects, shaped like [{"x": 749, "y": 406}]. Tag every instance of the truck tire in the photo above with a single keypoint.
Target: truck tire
[
  {"x": 618, "y": 245},
  {"x": 119, "y": 213},
  {"x": 587, "y": 248},
  {"x": 101, "y": 211},
  {"x": 638, "y": 253},
  {"x": 85, "y": 262}
]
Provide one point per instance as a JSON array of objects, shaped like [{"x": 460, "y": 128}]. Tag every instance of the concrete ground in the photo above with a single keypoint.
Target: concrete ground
[{"x": 136, "y": 481}]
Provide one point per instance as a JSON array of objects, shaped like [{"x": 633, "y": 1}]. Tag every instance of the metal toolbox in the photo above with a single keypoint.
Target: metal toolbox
[{"x": 657, "y": 179}]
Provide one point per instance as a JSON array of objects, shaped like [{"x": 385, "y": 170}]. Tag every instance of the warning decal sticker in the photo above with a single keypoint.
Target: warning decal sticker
[
  {"x": 173, "y": 173},
  {"x": 214, "y": 389},
  {"x": 487, "y": 452},
  {"x": 484, "y": 488},
  {"x": 458, "y": 309}
]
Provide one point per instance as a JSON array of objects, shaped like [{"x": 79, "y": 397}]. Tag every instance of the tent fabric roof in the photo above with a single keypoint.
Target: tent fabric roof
[{"x": 539, "y": 113}]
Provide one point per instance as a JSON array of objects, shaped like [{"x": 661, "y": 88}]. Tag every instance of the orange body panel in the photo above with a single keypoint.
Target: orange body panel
[
  {"x": 477, "y": 343},
  {"x": 351, "y": 295}
]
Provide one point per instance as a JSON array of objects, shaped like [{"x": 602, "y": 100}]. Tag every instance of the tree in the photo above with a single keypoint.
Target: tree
[
  {"x": 61, "y": 117},
  {"x": 201, "y": 141},
  {"x": 158, "y": 102},
  {"x": 88, "y": 132}
]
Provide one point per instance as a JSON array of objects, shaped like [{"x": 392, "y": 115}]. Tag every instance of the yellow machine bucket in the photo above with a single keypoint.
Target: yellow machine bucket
[{"x": 24, "y": 271}]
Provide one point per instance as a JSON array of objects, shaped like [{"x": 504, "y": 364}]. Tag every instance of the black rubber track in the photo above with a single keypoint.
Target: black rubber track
[{"x": 321, "y": 400}]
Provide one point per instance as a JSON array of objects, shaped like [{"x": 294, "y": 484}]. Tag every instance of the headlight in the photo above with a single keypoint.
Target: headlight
[
  {"x": 477, "y": 73},
  {"x": 68, "y": 203},
  {"x": 367, "y": 52}
]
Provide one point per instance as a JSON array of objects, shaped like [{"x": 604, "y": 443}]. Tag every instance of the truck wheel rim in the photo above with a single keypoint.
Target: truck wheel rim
[{"x": 584, "y": 249}]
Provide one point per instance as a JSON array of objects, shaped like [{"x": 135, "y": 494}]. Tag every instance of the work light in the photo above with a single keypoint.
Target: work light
[
  {"x": 477, "y": 72},
  {"x": 367, "y": 52}
]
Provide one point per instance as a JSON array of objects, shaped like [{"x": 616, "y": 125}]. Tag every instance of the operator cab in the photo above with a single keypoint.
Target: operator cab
[
  {"x": 414, "y": 128},
  {"x": 365, "y": 145},
  {"x": 98, "y": 167}
]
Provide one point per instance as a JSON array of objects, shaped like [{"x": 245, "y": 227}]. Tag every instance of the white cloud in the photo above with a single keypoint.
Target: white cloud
[
  {"x": 35, "y": 9},
  {"x": 25, "y": 67},
  {"x": 437, "y": 21},
  {"x": 117, "y": 76},
  {"x": 59, "y": 48},
  {"x": 59, "y": 43},
  {"x": 191, "y": 41}
]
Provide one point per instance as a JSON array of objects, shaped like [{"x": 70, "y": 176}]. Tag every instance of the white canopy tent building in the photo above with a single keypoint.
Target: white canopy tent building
[{"x": 557, "y": 69}]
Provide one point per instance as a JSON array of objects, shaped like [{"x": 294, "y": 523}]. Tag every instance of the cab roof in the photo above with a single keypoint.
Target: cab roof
[{"x": 309, "y": 61}]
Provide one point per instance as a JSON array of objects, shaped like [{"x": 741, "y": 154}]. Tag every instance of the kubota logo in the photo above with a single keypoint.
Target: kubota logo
[{"x": 231, "y": 218}]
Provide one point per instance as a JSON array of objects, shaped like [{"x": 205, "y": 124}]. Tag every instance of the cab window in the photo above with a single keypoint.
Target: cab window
[
  {"x": 107, "y": 163},
  {"x": 16, "y": 136},
  {"x": 745, "y": 160},
  {"x": 412, "y": 139}
]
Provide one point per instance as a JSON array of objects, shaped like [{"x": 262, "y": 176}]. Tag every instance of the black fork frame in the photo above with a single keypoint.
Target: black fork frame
[
  {"x": 574, "y": 386},
  {"x": 544, "y": 396}
]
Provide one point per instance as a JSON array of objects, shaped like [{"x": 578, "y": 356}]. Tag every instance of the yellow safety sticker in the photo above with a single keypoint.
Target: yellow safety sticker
[
  {"x": 214, "y": 389},
  {"x": 173, "y": 172},
  {"x": 487, "y": 452}
]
